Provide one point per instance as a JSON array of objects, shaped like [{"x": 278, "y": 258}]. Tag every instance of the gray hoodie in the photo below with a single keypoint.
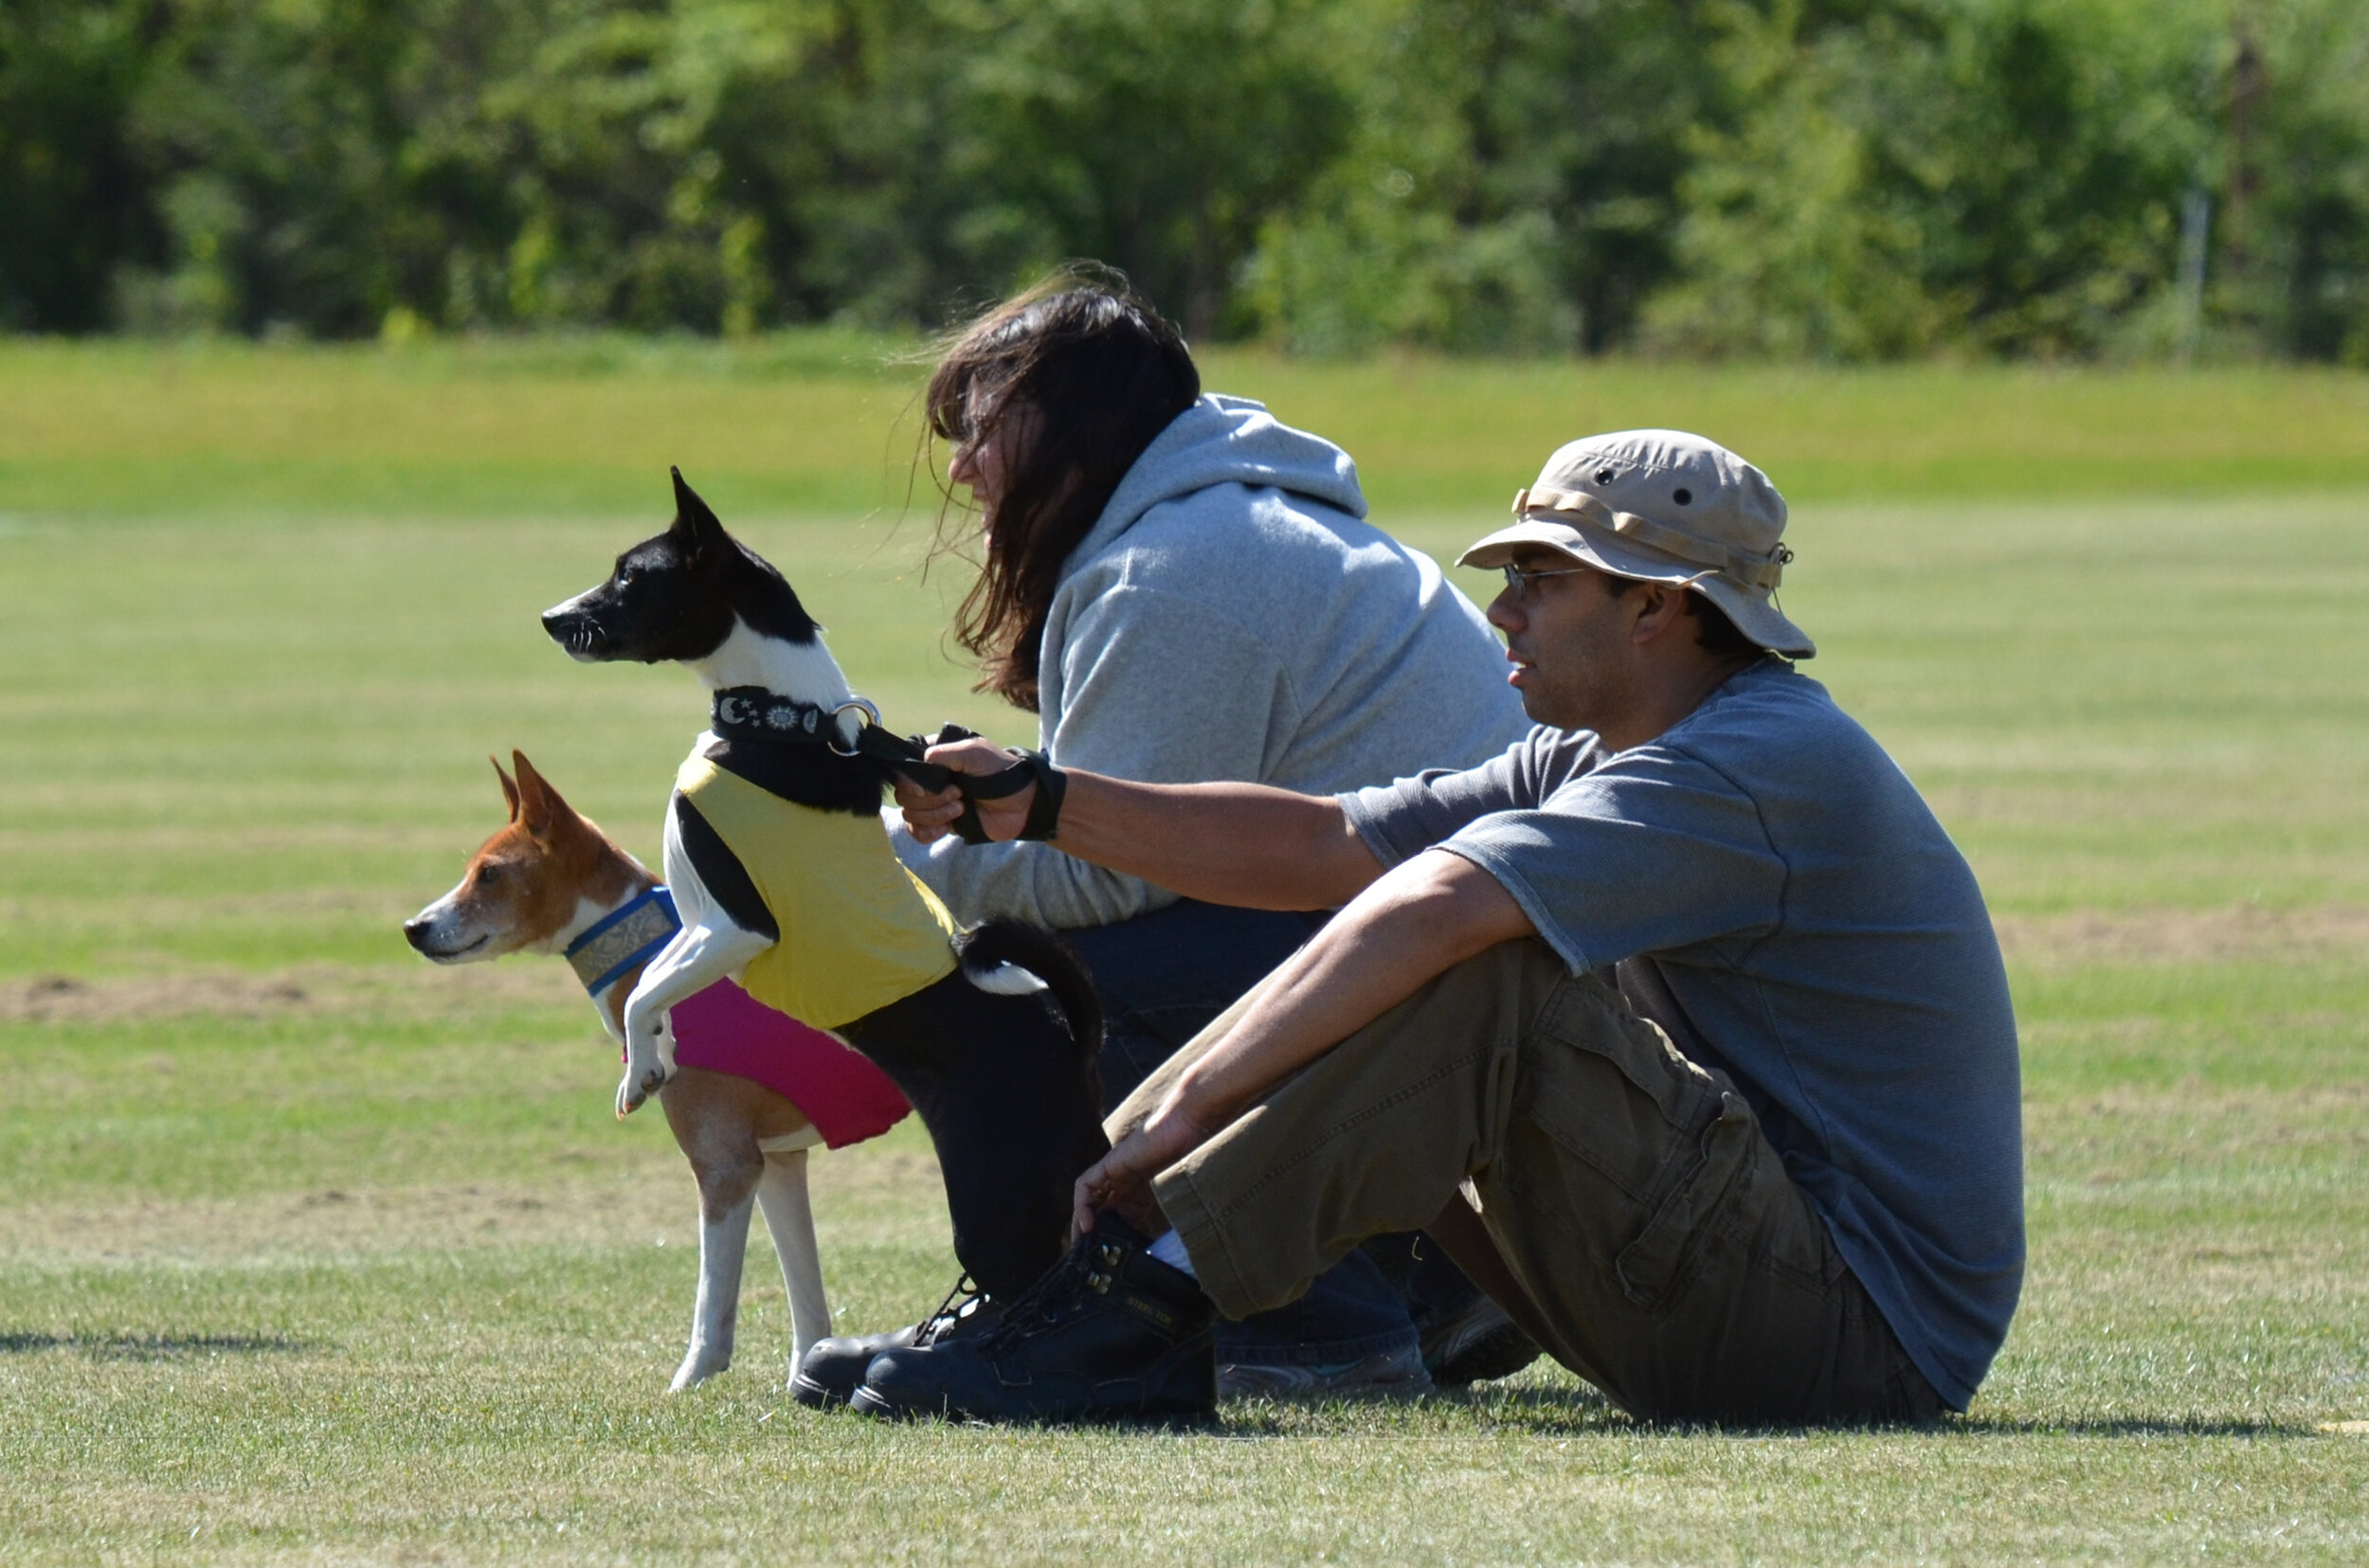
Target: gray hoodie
[{"x": 1230, "y": 616}]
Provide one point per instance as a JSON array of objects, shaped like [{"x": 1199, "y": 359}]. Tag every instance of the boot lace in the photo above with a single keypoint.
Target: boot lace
[
  {"x": 1090, "y": 1266},
  {"x": 958, "y": 1303}
]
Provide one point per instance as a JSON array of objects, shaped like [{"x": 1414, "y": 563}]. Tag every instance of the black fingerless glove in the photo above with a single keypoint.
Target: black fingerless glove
[
  {"x": 1033, "y": 767},
  {"x": 1045, "y": 812}
]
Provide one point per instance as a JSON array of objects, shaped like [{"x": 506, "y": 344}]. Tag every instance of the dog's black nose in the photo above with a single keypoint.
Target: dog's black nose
[
  {"x": 576, "y": 631},
  {"x": 415, "y": 932}
]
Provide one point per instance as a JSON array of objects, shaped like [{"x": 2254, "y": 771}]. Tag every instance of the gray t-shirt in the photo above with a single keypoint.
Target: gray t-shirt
[{"x": 1764, "y": 882}]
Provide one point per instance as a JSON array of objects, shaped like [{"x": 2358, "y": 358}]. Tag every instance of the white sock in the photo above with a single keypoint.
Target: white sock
[{"x": 1169, "y": 1249}]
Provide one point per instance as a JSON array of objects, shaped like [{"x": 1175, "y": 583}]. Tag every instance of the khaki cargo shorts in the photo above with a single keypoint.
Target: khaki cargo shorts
[{"x": 1659, "y": 1246}]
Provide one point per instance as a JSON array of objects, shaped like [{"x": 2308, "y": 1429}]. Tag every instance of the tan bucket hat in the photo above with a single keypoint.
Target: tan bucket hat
[{"x": 1662, "y": 506}]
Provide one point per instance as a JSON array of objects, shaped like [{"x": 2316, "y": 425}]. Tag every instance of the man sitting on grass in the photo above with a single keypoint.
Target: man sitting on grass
[{"x": 1681, "y": 1025}]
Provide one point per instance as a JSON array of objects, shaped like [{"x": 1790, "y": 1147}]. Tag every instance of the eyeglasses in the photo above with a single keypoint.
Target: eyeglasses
[{"x": 1519, "y": 579}]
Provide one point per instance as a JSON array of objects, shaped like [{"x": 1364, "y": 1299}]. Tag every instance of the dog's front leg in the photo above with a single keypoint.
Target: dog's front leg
[
  {"x": 719, "y": 936},
  {"x": 699, "y": 956}
]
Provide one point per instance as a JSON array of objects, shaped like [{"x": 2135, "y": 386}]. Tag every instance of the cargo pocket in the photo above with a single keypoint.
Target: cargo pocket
[{"x": 1655, "y": 1264}]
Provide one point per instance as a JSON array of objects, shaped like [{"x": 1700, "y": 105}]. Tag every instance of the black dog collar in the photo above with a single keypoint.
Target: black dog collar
[{"x": 752, "y": 712}]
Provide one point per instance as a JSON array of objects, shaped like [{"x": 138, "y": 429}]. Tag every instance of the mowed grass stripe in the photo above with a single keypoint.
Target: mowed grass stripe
[
  {"x": 828, "y": 422},
  {"x": 361, "y": 1078},
  {"x": 281, "y": 731}
]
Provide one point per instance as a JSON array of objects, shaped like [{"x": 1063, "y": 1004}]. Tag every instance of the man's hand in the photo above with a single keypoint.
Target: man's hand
[
  {"x": 1121, "y": 1180},
  {"x": 930, "y": 814},
  {"x": 1431, "y": 913}
]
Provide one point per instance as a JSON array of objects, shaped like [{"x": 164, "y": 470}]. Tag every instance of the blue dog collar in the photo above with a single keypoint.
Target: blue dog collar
[{"x": 624, "y": 938}]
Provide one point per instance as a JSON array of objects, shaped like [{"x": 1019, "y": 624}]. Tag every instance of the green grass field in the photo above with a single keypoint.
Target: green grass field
[{"x": 309, "y": 1253}]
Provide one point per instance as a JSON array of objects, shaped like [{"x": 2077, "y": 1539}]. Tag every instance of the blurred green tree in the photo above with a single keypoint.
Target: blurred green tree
[
  {"x": 2295, "y": 276},
  {"x": 1512, "y": 184},
  {"x": 1154, "y": 134},
  {"x": 1841, "y": 179},
  {"x": 76, "y": 200},
  {"x": 1905, "y": 175}
]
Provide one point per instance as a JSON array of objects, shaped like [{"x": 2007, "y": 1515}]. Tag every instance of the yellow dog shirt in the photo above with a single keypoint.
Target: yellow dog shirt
[{"x": 859, "y": 930}]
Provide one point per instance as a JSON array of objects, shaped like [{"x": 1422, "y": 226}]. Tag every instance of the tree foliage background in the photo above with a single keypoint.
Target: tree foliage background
[{"x": 1835, "y": 179}]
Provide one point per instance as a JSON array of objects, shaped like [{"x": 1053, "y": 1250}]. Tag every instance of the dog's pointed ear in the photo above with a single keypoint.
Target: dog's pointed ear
[
  {"x": 539, "y": 805},
  {"x": 510, "y": 791},
  {"x": 696, "y": 524}
]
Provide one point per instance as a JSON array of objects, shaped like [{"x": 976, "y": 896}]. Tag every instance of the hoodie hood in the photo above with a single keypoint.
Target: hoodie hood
[{"x": 1223, "y": 440}]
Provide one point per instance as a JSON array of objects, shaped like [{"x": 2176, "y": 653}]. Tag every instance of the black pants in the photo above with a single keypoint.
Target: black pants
[{"x": 1162, "y": 978}]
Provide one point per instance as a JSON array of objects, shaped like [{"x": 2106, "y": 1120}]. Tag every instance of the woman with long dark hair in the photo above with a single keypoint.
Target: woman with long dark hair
[{"x": 1182, "y": 589}]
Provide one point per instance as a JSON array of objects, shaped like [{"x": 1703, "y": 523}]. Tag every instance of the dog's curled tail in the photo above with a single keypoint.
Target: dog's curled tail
[{"x": 1039, "y": 952}]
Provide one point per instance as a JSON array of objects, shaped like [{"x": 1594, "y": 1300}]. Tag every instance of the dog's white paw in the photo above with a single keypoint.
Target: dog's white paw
[
  {"x": 649, "y": 1060},
  {"x": 642, "y": 1079},
  {"x": 698, "y": 1365}
]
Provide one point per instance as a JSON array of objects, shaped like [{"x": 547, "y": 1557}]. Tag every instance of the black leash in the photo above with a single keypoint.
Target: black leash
[
  {"x": 754, "y": 713},
  {"x": 904, "y": 754}
]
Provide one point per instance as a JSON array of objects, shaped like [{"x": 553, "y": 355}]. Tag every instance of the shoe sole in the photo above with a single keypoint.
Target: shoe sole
[
  {"x": 1391, "y": 1374},
  {"x": 871, "y": 1404},
  {"x": 815, "y": 1395},
  {"x": 1316, "y": 1393},
  {"x": 868, "y": 1403},
  {"x": 1497, "y": 1352}
]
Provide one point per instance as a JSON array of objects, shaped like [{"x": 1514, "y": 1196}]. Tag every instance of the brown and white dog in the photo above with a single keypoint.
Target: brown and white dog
[{"x": 539, "y": 885}]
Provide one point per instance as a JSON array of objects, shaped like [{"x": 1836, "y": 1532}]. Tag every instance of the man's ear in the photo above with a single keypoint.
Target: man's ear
[
  {"x": 695, "y": 523},
  {"x": 510, "y": 791},
  {"x": 539, "y": 805},
  {"x": 1659, "y": 606}
]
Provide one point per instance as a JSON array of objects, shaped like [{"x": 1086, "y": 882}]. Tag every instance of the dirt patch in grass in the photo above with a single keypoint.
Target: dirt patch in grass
[
  {"x": 2245, "y": 932},
  {"x": 306, "y": 990},
  {"x": 67, "y": 842},
  {"x": 333, "y": 1222},
  {"x": 2071, "y": 939},
  {"x": 642, "y": 1199},
  {"x": 2199, "y": 1117},
  {"x": 2169, "y": 1130}
]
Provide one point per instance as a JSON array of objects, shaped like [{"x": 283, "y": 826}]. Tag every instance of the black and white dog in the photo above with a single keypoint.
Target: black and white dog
[{"x": 998, "y": 1056}]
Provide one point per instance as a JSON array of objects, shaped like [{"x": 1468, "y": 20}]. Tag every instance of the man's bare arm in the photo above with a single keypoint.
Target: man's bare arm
[
  {"x": 1413, "y": 922},
  {"x": 1248, "y": 845}
]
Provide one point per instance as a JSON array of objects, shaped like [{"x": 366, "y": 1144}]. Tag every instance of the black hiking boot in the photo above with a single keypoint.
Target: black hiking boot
[
  {"x": 833, "y": 1369},
  {"x": 1466, "y": 1337},
  {"x": 1475, "y": 1344},
  {"x": 1111, "y": 1334}
]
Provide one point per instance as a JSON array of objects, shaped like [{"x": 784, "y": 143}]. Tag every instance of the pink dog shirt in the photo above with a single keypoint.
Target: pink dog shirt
[{"x": 724, "y": 1029}]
